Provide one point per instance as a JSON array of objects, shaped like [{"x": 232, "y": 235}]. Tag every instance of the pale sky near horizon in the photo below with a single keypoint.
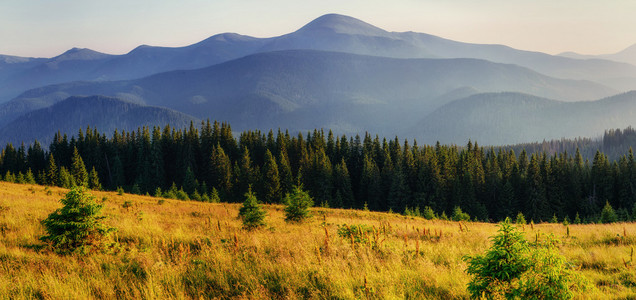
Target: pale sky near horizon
[{"x": 46, "y": 28}]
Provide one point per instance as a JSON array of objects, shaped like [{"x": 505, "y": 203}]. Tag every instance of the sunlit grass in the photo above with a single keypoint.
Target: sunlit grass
[{"x": 177, "y": 249}]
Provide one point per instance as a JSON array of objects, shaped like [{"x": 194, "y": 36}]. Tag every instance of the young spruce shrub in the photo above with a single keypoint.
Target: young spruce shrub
[
  {"x": 513, "y": 269},
  {"x": 459, "y": 215},
  {"x": 521, "y": 219},
  {"x": 297, "y": 204},
  {"x": 77, "y": 227},
  {"x": 608, "y": 215},
  {"x": 251, "y": 213}
]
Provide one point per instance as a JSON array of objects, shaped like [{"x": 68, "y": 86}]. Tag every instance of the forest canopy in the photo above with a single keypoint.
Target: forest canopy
[{"x": 208, "y": 162}]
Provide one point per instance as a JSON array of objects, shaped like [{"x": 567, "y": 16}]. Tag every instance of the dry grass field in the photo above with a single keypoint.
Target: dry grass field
[{"x": 170, "y": 249}]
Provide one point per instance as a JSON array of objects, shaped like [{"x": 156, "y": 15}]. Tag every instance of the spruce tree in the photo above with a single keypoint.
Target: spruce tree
[
  {"x": 271, "y": 181},
  {"x": 221, "y": 172},
  {"x": 78, "y": 226},
  {"x": 608, "y": 215},
  {"x": 78, "y": 169},
  {"x": 251, "y": 213},
  {"x": 190, "y": 183},
  {"x": 297, "y": 204},
  {"x": 342, "y": 185},
  {"x": 51, "y": 172},
  {"x": 93, "y": 180},
  {"x": 244, "y": 175},
  {"x": 65, "y": 179},
  {"x": 29, "y": 178},
  {"x": 285, "y": 175}
]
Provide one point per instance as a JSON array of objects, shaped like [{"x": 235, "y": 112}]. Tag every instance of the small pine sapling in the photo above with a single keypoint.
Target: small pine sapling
[
  {"x": 251, "y": 213},
  {"x": 78, "y": 226},
  {"x": 297, "y": 204}
]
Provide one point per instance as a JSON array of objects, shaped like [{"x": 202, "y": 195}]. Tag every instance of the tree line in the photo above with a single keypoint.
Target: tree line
[{"x": 208, "y": 163}]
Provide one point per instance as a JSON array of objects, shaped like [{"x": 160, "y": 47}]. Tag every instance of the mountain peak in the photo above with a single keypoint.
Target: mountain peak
[
  {"x": 343, "y": 24},
  {"x": 629, "y": 50},
  {"x": 80, "y": 54}
]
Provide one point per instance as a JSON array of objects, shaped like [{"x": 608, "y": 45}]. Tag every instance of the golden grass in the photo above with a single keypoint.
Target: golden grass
[{"x": 180, "y": 250}]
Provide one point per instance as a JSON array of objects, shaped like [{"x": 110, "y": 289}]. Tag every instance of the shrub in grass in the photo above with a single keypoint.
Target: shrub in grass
[
  {"x": 76, "y": 227},
  {"x": 251, "y": 213},
  {"x": 297, "y": 204},
  {"x": 521, "y": 219},
  {"x": 512, "y": 269},
  {"x": 356, "y": 233},
  {"x": 428, "y": 213},
  {"x": 459, "y": 215},
  {"x": 608, "y": 215},
  {"x": 214, "y": 196}
]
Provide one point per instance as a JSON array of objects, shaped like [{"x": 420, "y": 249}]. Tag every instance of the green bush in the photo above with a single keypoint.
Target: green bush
[
  {"x": 512, "y": 269},
  {"x": 355, "y": 233},
  {"x": 182, "y": 195},
  {"x": 158, "y": 192},
  {"x": 428, "y": 213},
  {"x": 608, "y": 215},
  {"x": 214, "y": 196},
  {"x": 297, "y": 203},
  {"x": 459, "y": 215},
  {"x": 251, "y": 213},
  {"x": 521, "y": 219},
  {"x": 77, "y": 227}
]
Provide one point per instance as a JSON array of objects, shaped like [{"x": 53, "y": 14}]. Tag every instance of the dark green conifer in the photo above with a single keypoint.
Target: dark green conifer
[
  {"x": 252, "y": 213},
  {"x": 77, "y": 226},
  {"x": 51, "y": 172},
  {"x": 271, "y": 181},
  {"x": 297, "y": 204},
  {"x": 78, "y": 170},
  {"x": 93, "y": 180}
]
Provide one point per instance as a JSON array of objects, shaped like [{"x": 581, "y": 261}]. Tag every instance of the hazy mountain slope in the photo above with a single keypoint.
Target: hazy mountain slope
[
  {"x": 340, "y": 33},
  {"x": 628, "y": 55},
  {"x": 618, "y": 75},
  {"x": 104, "y": 113},
  {"x": 508, "y": 118},
  {"x": 330, "y": 32},
  {"x": 72, "y": 65},
  {"x": 147, "y": 60},
  {"x": 303, "y": 90},
  {"x": 11, "y": 66},
  {"x": 88, "y": 65}
]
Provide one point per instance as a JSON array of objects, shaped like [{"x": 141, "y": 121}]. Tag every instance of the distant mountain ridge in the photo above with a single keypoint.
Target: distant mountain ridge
[
  {"x": 511, "y": 118},
  {"x": 627, "y": 55},
  {"x": 330, "y": 32},
  {"x": 336, "y": 72},
  {"x": 306, "y": 89},
  {"x": 103, "y": 113}
]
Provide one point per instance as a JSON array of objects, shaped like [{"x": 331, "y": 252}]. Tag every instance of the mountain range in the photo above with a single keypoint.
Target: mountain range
[
  {"x": 627, "y": 56},
  {"x": 103, "y": 113},
  {"x": 517, "y": 118},
  {"x": 335, "y": 72}
]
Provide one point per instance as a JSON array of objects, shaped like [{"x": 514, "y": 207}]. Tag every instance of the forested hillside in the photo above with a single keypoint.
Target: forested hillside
[
  {"x": 350, "y": 172},
  {"x": 102, "y": 112}
]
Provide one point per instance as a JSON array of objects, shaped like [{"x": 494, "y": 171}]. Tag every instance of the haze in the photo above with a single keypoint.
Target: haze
[{"x": 42, "y": 28}]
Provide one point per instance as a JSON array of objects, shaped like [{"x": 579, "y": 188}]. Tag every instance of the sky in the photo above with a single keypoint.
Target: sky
[{"x": 46, "y": 28}]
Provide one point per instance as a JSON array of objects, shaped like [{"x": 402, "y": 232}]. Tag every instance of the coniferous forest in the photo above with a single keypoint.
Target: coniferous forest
[{"x": 209, "y": 164}]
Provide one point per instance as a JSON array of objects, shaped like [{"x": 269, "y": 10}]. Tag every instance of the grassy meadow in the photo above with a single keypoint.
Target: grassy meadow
[{"x": 170, "y": 249}]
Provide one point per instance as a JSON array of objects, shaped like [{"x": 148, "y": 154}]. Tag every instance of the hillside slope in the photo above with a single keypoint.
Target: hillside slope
[
  {"x": 331, "y": 32},
  {"x": 103, "y": 113},
  {"x": 186, "y": 249},
  {"x": 509, "y": 118},
  {"x": 303, "y": 90}
]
